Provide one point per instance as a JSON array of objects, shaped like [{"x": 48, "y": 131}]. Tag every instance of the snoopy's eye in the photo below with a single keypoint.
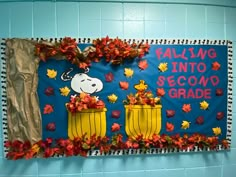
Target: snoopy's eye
[
  {"x": 89, "y": 79},
  {"x": 82, "y": 80}
]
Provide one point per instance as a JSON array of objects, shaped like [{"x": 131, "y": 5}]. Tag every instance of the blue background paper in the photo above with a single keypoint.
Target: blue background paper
[{"x": 150, "y": 75}]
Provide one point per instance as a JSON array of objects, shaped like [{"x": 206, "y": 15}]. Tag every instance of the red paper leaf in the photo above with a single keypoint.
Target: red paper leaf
[
  {"x": 200, "y": 120},
  {"x": 170, "y": 113},
  {"x": 27, "y": 145},
  {"x": 143, "y": 64},
  {"x": 51, "y": 126},
  {"x": 7, "y": 144},
  {"x": 169, "y": 127},
  {"x": 100, "y": 104},
  {"x": 115, "y": 114},
  {"x": 186, "y": 108},
  {"x": 219, "y": 92},
  {"x": 128, "y": 144},
  {"x": 48, "y": 152},
  {"x": 49, "y": 91},
  {"x": 18, "y": 155},
  {"x": 160, "y": 92},
  {"x": 109, "y": 77},
  {"x": 215, "y": 66},
  {"x": 29, "y": 155},
  {"x": 48, "y": 109},
  {"x": 115, "y": 127},
  {"x": 124, "y": 85},
  {"x": 49, "y": 141},
  {"x": 135, "y": 145},
  {"x": 220, "y": 115}
]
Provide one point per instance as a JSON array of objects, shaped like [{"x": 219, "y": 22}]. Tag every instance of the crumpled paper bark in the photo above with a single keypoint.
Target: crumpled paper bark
[{"x": 23, "y": 111}]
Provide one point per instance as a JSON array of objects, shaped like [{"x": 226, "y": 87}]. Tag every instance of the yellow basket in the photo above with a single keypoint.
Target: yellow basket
[
  {"x": 142, "y": 120},
  {"x": 90, "y": 121}
]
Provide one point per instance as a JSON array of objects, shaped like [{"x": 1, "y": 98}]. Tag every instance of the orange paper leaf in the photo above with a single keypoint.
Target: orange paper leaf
[
  {"x": 169, "y": 127},
  {"x": 83, "y": 65},
  {"x": 124, "y": 85},
  {"x": 47, "y": 109},
  {"x": 186, "y": 108},
  {"x": 215, "y": 66},
  {"x": 115, "y": 127},
  {"x": 143, "y": 64},
  {"x": 160, "y": 92}
]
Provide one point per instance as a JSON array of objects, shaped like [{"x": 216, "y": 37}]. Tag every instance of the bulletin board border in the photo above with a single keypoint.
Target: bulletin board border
[
  {"x": 3, "y": 91},
  {"x": 149, "y": 41}
]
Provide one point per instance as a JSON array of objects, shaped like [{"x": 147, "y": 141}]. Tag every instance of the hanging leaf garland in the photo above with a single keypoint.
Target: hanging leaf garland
[
  {"x": 115, "y": 51},
  {"x": 67, "y": 48}
]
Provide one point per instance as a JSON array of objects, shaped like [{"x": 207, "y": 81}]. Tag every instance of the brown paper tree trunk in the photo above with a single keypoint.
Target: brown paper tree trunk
[{"x": 23, "y": 112}]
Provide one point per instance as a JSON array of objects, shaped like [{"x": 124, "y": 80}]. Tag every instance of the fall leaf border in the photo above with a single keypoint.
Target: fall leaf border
[{"x": 96, "y": 146}]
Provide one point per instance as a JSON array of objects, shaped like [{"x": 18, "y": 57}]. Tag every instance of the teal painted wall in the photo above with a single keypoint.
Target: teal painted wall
[{"x": 180, "y": 19}]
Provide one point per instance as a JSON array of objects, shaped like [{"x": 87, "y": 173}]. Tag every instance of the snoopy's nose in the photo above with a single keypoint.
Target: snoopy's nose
[{"x": 93, "y": 85}]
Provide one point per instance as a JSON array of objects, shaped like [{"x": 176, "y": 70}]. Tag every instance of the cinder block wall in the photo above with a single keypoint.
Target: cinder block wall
[{"x": 172, "y": 19}]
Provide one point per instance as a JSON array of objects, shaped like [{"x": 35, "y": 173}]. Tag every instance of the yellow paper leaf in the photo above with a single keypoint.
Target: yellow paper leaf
[
  {"x": 112, "y": 98},
  {"x": 156, "y": 99},
  {"x": 163, "y": 67},
  {"x": 216, "y": 131},
  {"x": 128, "y": 72},
  {"x": 185, "y": 124},
  {"x": 35, "y": 148},
  {"x": 51, "y": 73},
  {"x": 64, "y": 91},
  {"x": 204, "y": 105},
  {"x": 141, "y": 86}
]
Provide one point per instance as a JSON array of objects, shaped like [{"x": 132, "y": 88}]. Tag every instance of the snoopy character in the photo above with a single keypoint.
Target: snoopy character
[{"x": 81, "y": 82}]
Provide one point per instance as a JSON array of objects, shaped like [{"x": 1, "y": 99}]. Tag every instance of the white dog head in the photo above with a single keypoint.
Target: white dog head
[{"x": 83, "y": 83}]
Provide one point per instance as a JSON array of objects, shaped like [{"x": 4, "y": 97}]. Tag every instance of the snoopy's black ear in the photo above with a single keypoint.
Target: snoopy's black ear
[{"x": 65, "y": 76}]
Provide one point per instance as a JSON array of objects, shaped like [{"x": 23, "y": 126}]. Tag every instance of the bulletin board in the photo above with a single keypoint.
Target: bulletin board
[{"x": 111, "y": 96}]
